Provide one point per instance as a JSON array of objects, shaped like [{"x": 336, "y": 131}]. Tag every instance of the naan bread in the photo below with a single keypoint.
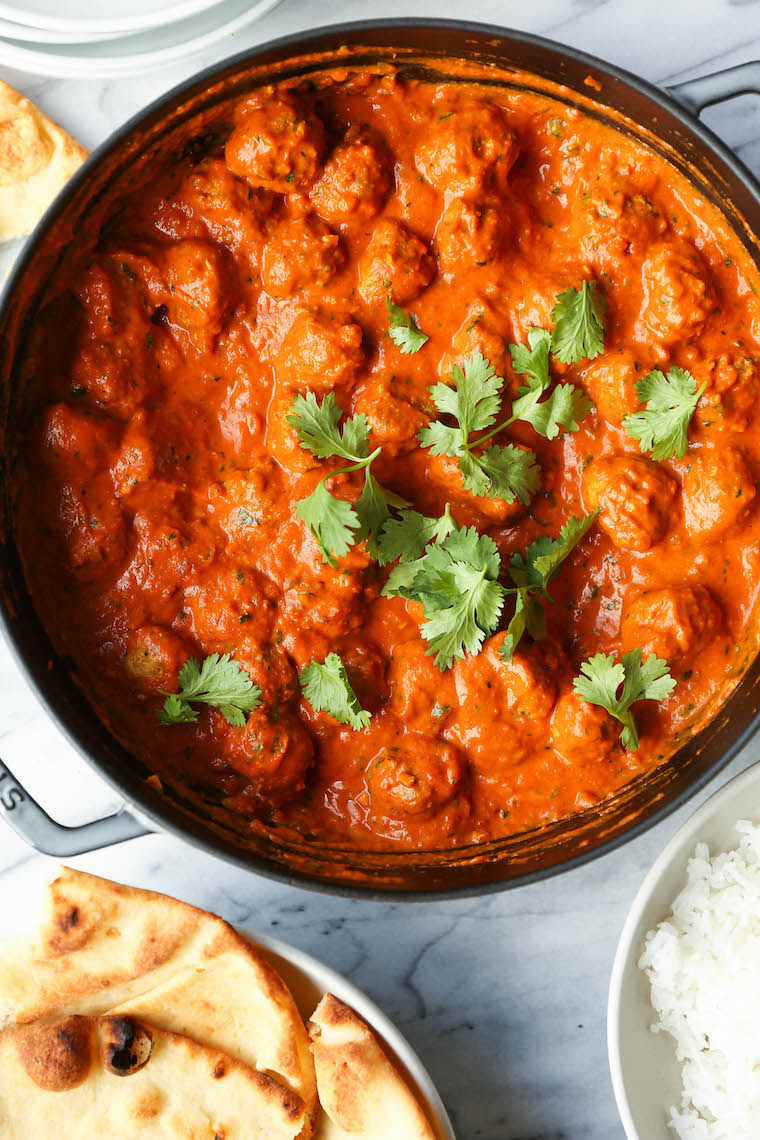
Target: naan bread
[
  {"x": 361, "y": 1093},
  {"x": 37, "y": 158},
  {"x": 105, "y": 946},
  {"x": 117, "y": 1077}
]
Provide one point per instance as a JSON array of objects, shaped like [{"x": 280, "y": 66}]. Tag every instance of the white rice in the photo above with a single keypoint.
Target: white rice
[{"x": 703, "y": 963}]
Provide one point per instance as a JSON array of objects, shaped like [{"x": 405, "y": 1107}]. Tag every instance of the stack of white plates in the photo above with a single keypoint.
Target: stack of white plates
[{"x": 76, "y": 39}]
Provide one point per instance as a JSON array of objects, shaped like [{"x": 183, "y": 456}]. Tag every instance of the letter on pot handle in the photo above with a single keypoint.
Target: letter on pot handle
[
  {"x": 696, "y": 94},
  {"x": 33, "y": 824}
]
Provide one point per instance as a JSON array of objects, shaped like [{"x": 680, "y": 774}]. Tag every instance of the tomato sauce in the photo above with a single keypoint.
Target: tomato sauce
[{"x": 156, "y": 497}]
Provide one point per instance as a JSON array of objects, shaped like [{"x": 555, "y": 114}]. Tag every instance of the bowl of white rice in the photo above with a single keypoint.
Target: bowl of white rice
[{"x": 683, "y": 1026}]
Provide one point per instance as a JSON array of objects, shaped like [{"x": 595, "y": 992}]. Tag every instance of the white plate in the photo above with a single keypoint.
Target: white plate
[
  {"x": 645, "y": 1073},
  {"x": 308, "y": 979},
  {"x": 25, "y": 35},
  {"x": 82, "y": 16},
  {"x": 134, "y": 53}
]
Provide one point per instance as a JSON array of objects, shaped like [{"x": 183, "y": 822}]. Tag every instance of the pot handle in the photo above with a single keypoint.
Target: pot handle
[
  {"x": 33, "y": 824},
  {"x": 696, "y": 94}
]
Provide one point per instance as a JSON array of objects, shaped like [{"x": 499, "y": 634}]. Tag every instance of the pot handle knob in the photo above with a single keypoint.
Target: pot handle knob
[
  {"x": 33, "y": 824},
  {"x": 696, "y": 94}
]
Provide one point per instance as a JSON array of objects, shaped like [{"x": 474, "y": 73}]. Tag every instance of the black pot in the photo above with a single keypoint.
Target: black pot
[{"x": 665, "y": 121}]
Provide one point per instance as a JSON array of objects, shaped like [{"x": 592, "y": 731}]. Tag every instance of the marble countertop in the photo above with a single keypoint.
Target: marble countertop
[{"x": 504, "y": 997}]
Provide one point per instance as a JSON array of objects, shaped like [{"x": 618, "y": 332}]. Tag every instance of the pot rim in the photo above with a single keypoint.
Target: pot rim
[{"x": 164, "y": 817}]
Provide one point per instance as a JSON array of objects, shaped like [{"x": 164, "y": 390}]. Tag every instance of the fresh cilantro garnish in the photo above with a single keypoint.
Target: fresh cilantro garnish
[
  {"x": 404, "y": 331},
  {"x": 327, "y": 689},
  {"x": 220, "y": 682},
  {"x": 405, "y": 539},
  {"x": 532, "y": 573},
  {"x": 670, "y": 403},
  {"x": 616, "y": 687},
  {"x": 578, "y": 324},
  {"x": 564, "y": 409},
  {"x": 335, "y": 524},
  {"x": 533, "y": 361},
  {"x": 507, "y": 473},
  {"x": 456, "y": 581}
]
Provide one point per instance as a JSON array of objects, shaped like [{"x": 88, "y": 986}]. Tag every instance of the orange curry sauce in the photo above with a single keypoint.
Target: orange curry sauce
[{"x": 156, "y": 511}]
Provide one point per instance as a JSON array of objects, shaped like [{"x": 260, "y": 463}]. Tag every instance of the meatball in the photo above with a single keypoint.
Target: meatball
[
  {"x": 395, "y": 263},
  {"x": 420, "y": 775},
  {"x": 282, "y": 439},
  {"x": 487, "y": 332},
  {"x": 676, "y": 299},
  {"x": 503, "y": 707},
  {"x": 135, "y": 460},
  {"x": 154, "y": 657},
  {"x": 197, "y": 276},
  {"x": 78, "y": 440},
  {"x": 302, "y": 253},
  {"x": 421, "y": 696},
  {"x": 468, "y": 150},
  {"x": 355, "y": 179},
  {"x": 228, "y": 208},
  {"x": 274, "y": 755},
  {"x": 731, "y": 395},
  {"x": 93, "y": 524},
  {"x": 582, "y": 731},
  {"x": 467, "y": 234},
  {"x": 636, "y": 497},
  {"x": 673, "y": 622},
  {"x": 610, "y": 381},
  {"x": 320, "y": 353},
  {"x": 366, "y": 667},
  {"x": 718, "y": 488},
  {"x": 393, "y": 419},
  {"x": 277, "y": 147}
]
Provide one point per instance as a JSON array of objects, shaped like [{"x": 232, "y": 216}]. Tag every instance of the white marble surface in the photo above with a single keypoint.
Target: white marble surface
[{"x": 504, "y": 997}]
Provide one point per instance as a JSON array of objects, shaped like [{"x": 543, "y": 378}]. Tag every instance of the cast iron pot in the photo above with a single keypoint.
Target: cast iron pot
[{"x": 666, "y": 120}]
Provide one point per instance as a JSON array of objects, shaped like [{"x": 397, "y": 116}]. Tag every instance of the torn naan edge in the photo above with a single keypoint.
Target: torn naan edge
[
  {"x": 361, "y": 1093},
  {"x": 37, "y": 158},
  {"x": 104, "y": 945},
  {"x": 117, "y": 1076}
]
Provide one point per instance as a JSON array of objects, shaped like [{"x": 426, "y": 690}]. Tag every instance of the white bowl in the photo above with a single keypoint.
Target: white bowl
[
  {"x": 645, "y": 1074},
  {"x": 308, "y": 979},
  {"x": 85, "y": 18}
]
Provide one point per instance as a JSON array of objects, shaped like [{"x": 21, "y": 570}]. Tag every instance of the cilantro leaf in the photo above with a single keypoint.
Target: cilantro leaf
[
  {"x": 404, "y": 331},
  {"x": 670, "y": 403},
  {"x": 327, "y": 689},
  {"x": 461, "y": 597},
  {"x": 373, "y": 511},
  {"x": 220, "y": 682},
  {"x": 332, "y": 521},
  {"x": 548, "y": 563},
  {"x": 506, "y": 473},
  {"x": 318, "y": 431},
  {"x": 406, "y": 537},
  {"x": 563, "y": 409},
  {"x": 473, "y": 400},
  {"x": 533, "y": 361},
  {"x": 616, "y": 687},
  {"x": 578, "y": 319}
]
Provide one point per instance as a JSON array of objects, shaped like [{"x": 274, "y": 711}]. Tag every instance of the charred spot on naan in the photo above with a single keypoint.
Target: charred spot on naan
[{"x": 56, "y": 1055}]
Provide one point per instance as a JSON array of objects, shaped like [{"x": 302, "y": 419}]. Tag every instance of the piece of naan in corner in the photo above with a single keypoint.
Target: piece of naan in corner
[
  {"x": 104, "y": 945},
  {"x": 118, "y": 1077},
  {"x": 360, "y": 1091},
  {"x": 37, "y": 158}
]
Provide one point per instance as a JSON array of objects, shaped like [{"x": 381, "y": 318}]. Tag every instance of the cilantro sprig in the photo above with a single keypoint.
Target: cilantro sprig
[
  {"x": 336, "y": 524},
  {"x": 532, "y": 573},
  {"x": 403, "y": 329},
  {"x": 671, "y": 400},
  {"x": 617, "y": 686},
  {"x": 578, "y": 316},
  {"x": 220, "y": 682},
  {"x": 327, "y": 689}
]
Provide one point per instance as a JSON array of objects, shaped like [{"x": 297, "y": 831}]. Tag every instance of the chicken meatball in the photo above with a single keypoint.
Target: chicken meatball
[
  {"x": 154, "y": 657},
  {"x": 418, "y": 776},
  {"x": 396, "y": 264},
  {"x": 196, "y": 286},
  {"x": 673, "y": 622},
  {"x": 468, "y": 234},
  {"x": 610, "y": 381},
  {"x": 503, "y": 707},
  {"x": 320, "y": 353},
  {"x": 718, "y": 488},
  {"x": 421, "y": 696},
  {"x": 355, "y": 179},
  {"x": 277, "y": 147},
  {"x": 730, "y": 398},
  {"x": 393, "y": 419},
  {"x": 470, "y": 149},
  {"x": 582, "y": 731},
  {"x": 274, "y": 755},
  {"x": 488, "y": 332},
  {"x": 302, "y": 253},
  {"x": 676, "y": 299},
  {"x": 635, "y": 496}
]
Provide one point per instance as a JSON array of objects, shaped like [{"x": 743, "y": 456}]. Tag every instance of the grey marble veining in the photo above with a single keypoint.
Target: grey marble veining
[{"x": 504, "y": 997}]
